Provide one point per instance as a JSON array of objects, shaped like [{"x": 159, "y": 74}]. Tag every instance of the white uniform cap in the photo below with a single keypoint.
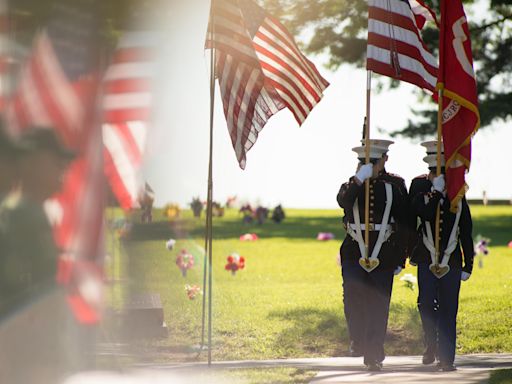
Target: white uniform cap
[
  {"x": 431, "y": 147},
  {"x": 431, "y": 160},
  {"x": 378, "y": 148}
]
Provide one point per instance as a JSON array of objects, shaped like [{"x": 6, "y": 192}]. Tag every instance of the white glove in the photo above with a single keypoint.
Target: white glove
[
  {"x": 439, "y": 183},
  {"x": 364, "y": 172},
  {"x": 397, "y": 270},
  {"x": 465, "y": 276}
]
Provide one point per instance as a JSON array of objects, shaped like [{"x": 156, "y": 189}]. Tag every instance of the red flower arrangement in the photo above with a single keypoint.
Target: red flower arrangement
[
  {"x": 235, "y": 262},
  {"x": 193, "y": 291},
  {"x": 184, "y": 261}
]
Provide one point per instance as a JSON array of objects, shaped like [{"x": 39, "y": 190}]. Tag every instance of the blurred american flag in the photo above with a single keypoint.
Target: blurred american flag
[
  {"x": 58, "y": 89},
  {"x": 127, "y": 106}
]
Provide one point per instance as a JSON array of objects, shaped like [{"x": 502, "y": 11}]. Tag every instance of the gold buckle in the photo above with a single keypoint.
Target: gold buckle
[{"x": 371, "y": 227}]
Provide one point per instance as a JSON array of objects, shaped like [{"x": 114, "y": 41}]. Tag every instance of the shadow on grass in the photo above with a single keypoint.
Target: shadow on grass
[
  {"x": 314, "y": 330},
  {"x": 229, "y": 228},
  {"x": 404, "y": 338},
  {"x": 497, "y": 228}
]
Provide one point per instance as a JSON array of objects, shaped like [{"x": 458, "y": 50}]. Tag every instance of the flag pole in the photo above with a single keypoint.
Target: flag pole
[
  {"x": 367, "y": 160},
  {"x": 440, "y": 87},
  {"x": 205, "y": 265},
  {"x": 207, "y": 270},
  {"x": 438, "y": 166}
]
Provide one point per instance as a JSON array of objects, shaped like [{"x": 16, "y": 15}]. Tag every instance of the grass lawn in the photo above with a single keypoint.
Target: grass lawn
[{"x": 287, "y": 302}]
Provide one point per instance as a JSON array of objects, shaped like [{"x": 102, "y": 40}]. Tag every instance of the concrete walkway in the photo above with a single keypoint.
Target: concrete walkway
[{"x": 397, "y": 370}]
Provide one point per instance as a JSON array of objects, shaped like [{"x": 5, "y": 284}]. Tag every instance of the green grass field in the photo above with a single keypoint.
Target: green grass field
[{"x": 287, "y": 302}]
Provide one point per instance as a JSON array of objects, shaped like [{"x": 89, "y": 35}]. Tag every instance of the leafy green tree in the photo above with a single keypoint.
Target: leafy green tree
[{"x": 338, "y": 28}]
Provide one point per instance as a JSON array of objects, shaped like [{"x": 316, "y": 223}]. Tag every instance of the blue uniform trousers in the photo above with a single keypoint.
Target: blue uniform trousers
[
  {"x": 438, "y": 302},
  {"x": 366, "y": 298}
]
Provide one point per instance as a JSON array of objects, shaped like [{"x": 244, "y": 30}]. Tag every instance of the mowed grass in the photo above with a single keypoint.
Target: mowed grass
[{"x": 287, "y": 302}]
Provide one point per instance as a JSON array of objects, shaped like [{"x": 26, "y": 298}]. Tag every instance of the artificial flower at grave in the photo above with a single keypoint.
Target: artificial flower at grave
[
  {"x": 410, "y": 280},
  {"x": 184, "y": 261},
  {"x": 261, "y": 214},
  {"x": 249, "y": 237},
  {"x": 278, "y": 214},
  {"x": 197, "y": 206},
  {"x": 231, "y": 201},
  {"x": 217, "y": 209},
  {"x": 169, "y": 244},
  {"x": 192, "y": 291},
  {"x": 323, "y": 236},
  {"x": 481, "y": 250},
  {"x": 247, "y": 213},
  {"x": 235, "y": 263},
  {"x": 172, "y": 211}
]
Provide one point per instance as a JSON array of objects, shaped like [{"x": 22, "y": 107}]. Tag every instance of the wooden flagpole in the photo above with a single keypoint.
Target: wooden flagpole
[
  {"x": 439, "y": 139},
  {"x": 438, "y": 169},
  {"x": 367, "y": 160}
]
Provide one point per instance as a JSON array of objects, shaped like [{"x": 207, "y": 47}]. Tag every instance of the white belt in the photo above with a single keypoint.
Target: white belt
[
  {"x": 385, "y": 229},
  {"x": 371, "y": 226}
]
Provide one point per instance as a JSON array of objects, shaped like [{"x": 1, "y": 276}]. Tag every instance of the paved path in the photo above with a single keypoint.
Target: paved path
[{"x": 472, "y": 369}]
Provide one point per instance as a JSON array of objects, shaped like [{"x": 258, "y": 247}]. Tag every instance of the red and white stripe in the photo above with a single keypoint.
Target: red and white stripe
[
  {"x": 127, "y": 107},
  {"x": 293, "y": 76},
  {"x": 45, "y": 97},
  {"x": 124, "y": 145},
  {"x": 259, "y": 75},
  {"x": 393, "y": 33},
  {"x": 422, "y": 13}
]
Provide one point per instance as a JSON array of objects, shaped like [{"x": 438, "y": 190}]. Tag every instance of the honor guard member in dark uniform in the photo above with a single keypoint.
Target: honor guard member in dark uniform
[
  {"x": 439, "y": 278},
  {"x": 33, "y": 309},
  {"x": 367, "y": 284}
]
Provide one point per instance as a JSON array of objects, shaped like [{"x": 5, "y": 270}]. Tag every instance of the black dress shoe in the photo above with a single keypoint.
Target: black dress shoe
[
  {"x": 374, "y": 366},
  {"x": 429, "y": 356},
  {"x": 354, "y": 350},
  {"x": 447, "y": 367}
]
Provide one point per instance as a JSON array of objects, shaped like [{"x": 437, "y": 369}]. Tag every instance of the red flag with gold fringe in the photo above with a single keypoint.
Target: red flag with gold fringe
[{"x": 456, "y": 78}]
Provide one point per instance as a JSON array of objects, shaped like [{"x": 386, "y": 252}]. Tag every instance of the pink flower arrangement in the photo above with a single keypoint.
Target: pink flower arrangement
[
  {"x": 184, "y": 261},
  {"x": 192, "y": 291},
  {"x": 323, "y": 236},
  {"x": 249, "y": 237},
  {"x": 235, "y": 262}
]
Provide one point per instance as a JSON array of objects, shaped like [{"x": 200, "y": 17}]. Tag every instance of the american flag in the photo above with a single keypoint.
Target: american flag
[
  {"x": 395, "y": 47},
  {"x": 58, "y": 90},
  {"x": 260, "y": 71},
  {"x": 422, "y": 13},
  {"x": 127, "y": 106},
  {"x": 57, "y": 85}
]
